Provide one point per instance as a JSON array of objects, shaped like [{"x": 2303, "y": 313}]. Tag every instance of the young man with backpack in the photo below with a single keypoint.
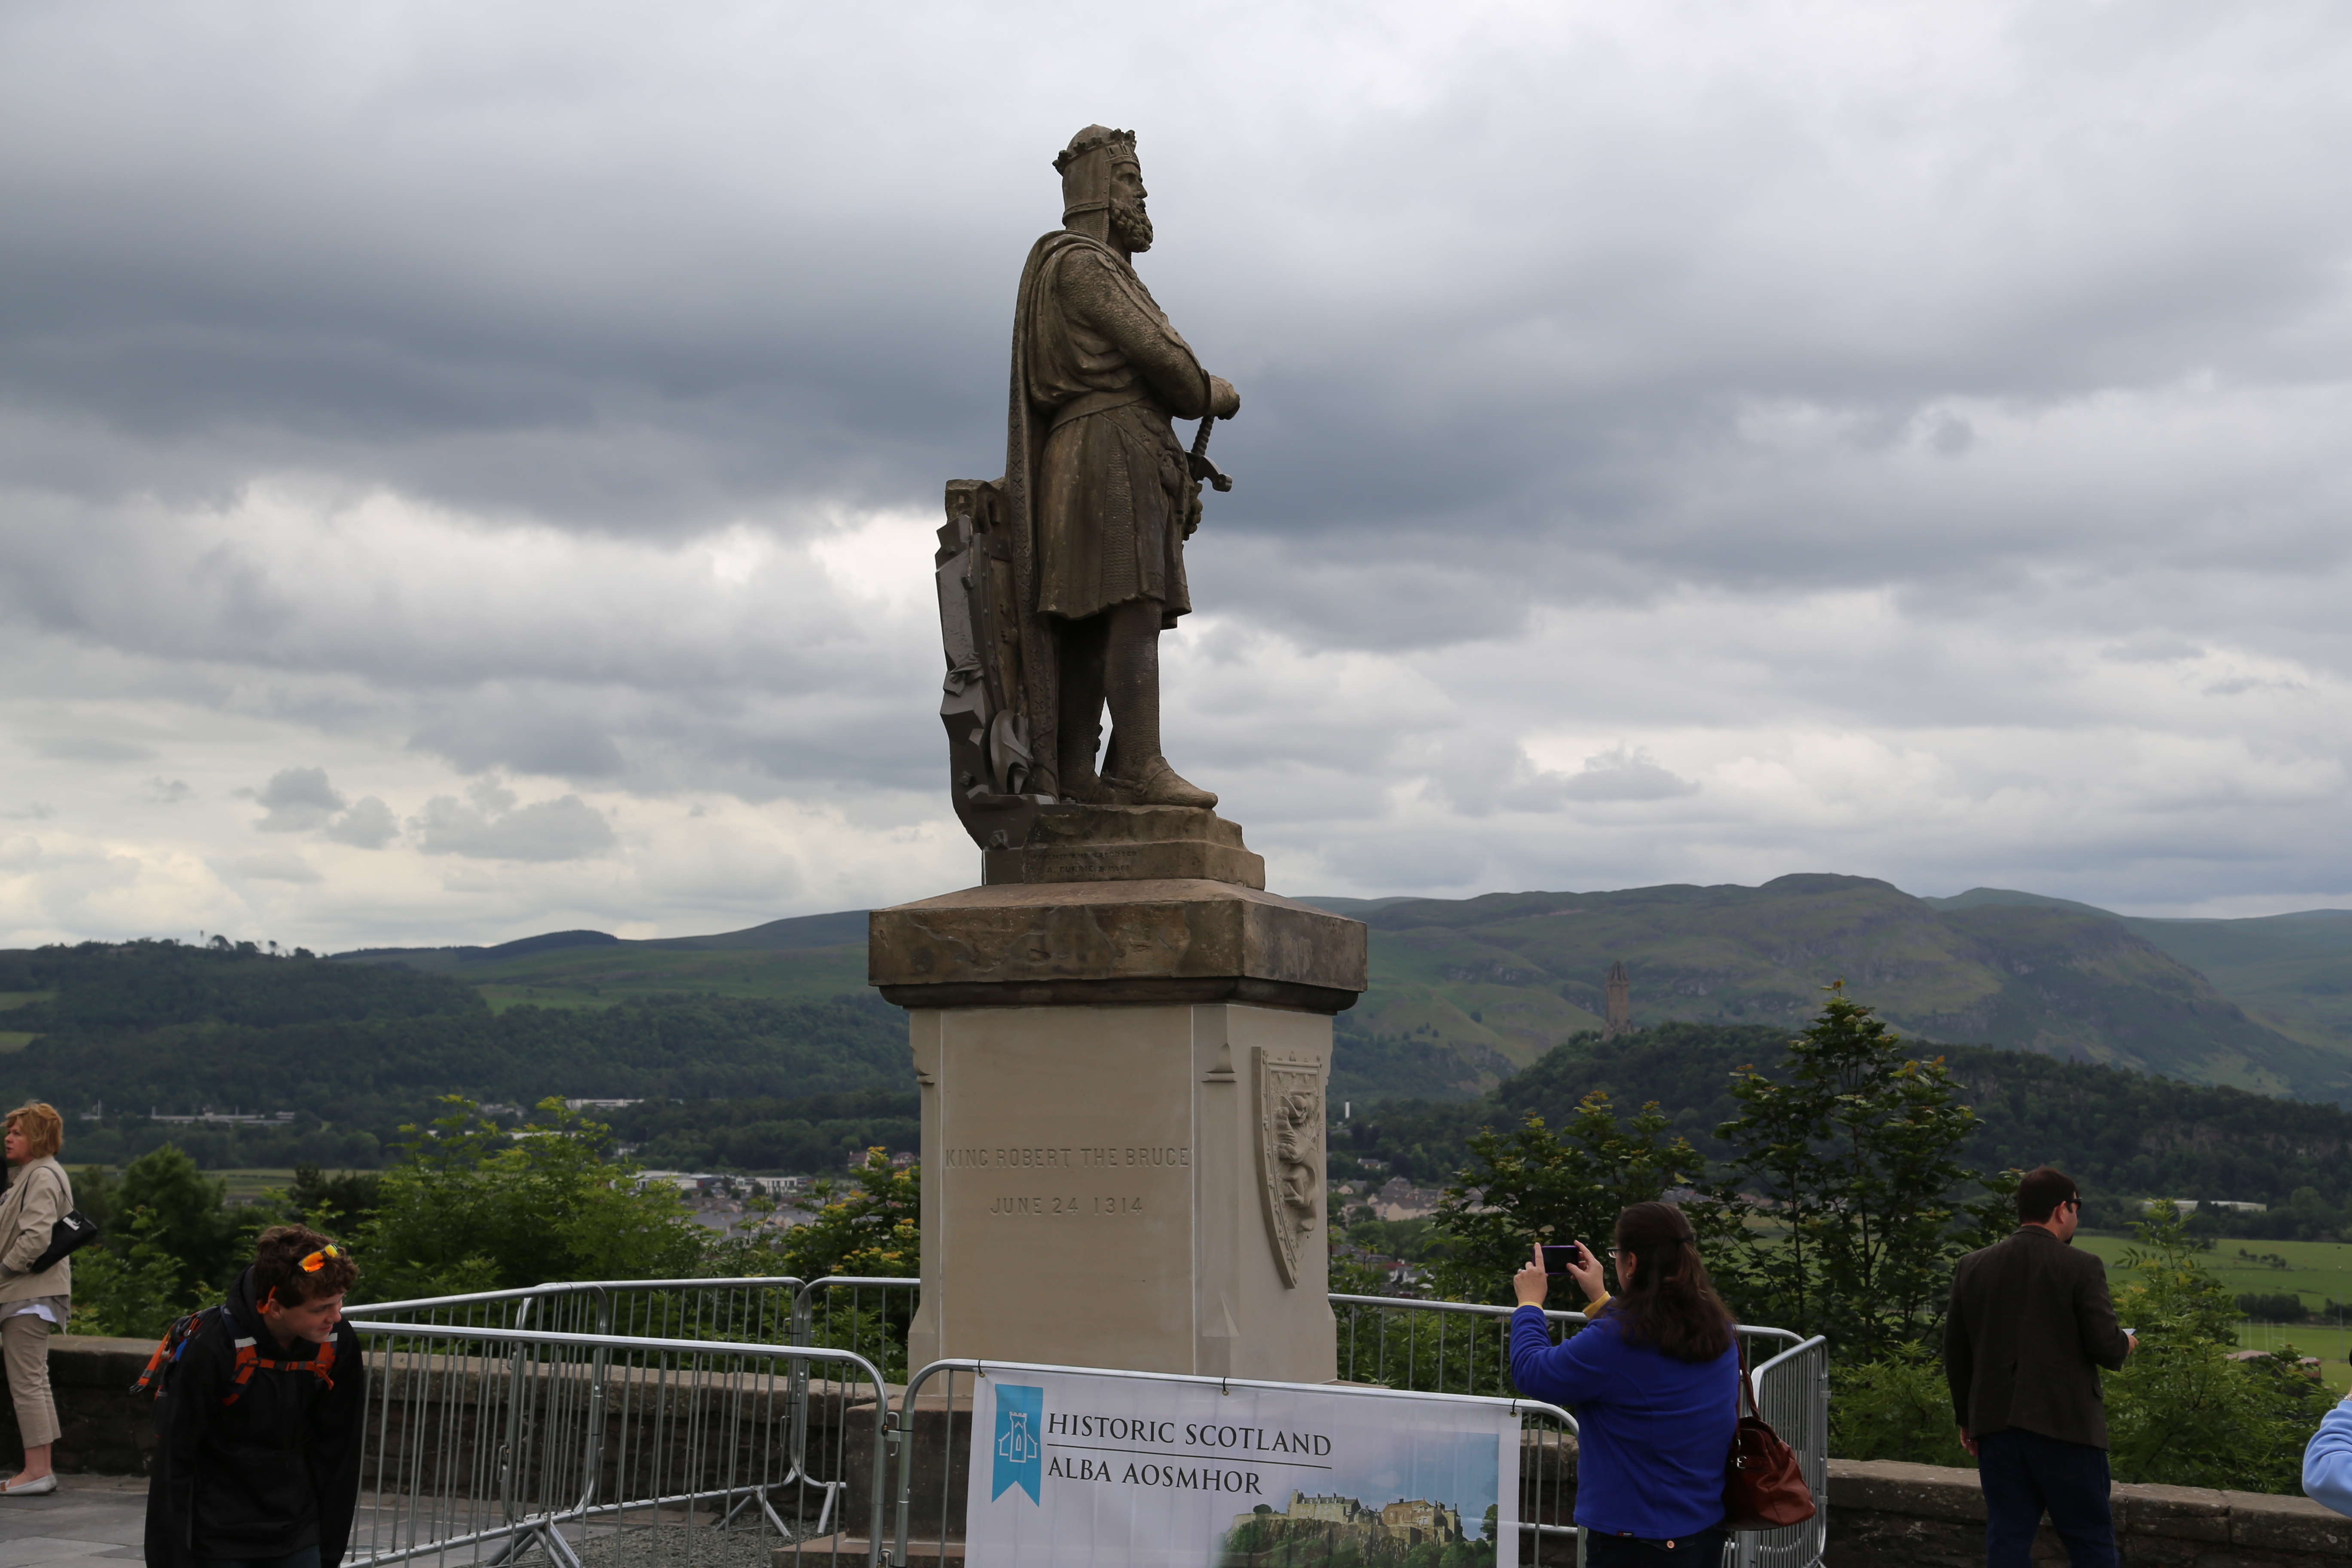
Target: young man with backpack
[{"x": 258, "y": 1407}]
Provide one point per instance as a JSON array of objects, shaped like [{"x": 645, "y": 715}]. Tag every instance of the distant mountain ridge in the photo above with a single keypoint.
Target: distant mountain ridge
[
  {"x": 1467, "y": 991},
  {"x": 793, "y": 934},
  {"x": 1514, "y": 973}
]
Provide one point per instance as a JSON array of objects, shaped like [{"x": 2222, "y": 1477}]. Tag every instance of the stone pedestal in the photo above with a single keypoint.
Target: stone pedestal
[{"x": 1123, "y": 1117}]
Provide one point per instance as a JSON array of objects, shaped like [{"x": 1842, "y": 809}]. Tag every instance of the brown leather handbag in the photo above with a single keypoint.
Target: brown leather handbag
[{"x": 1763, "y": 1484}]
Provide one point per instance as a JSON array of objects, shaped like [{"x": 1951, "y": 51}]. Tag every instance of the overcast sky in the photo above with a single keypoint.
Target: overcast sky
[{"x": 469, "y": 471}]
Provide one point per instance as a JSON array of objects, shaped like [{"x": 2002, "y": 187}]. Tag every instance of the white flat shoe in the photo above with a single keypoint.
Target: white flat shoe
[{"x": 41, "y": 1487}]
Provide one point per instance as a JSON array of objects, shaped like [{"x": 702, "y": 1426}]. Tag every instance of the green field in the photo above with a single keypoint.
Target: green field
[
  {"x": 600, "y": 976},
  {"x": 16, "y": 1039},
  {"x": 252, "y": 1184},
  {"x": 2318, "y": 1271}
]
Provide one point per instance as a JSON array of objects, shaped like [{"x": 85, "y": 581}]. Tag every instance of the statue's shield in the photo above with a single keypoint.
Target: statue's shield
[{"x": 1290, "y": 1154}]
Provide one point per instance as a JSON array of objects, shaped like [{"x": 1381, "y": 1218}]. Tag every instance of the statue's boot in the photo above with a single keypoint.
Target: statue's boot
[
  {"x": 1163, "y": 785},
  {"x": 1080, "y": 783},
  {"x": 1139, "y": 773},
  {"x": 1080, "y": 730}
]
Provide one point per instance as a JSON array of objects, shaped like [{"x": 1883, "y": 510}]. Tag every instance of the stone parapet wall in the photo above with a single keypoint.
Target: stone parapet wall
[
  {"x": 100, "y": 1427},
  {"x": 1888, "y": 1515}
]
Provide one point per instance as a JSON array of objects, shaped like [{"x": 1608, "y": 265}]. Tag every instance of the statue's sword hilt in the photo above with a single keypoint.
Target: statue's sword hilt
[{"x": 1198, "y": 459}]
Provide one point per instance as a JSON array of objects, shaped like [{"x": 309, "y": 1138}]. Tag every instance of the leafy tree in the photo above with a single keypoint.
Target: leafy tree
[
  {"x": 870, "y": 1227},
  {"x": 470, "y": 1208},
  {"x": 137, "y": 1293},
  {"x": 2183, "y": 1411},
  {"x": 1851, "y": 1171},
  {"x": 1899, "y": 1406},
  {"x": 1533, "y": 1182},
  {"x": 335, "y": 1204},
  {"x": 188, "y": 1220}
]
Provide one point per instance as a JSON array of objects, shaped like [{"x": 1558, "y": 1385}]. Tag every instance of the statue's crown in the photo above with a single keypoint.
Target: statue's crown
[
  {"x": 1086, "y": 164},
  {"x": 1094, "y": 138}
]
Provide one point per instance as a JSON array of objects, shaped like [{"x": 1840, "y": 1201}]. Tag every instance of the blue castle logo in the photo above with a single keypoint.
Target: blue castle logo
[{"x": 1020, "y": 1457}]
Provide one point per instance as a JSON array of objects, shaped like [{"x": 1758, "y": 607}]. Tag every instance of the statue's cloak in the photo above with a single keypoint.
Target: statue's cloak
[{"x": 1113, "y": 529}]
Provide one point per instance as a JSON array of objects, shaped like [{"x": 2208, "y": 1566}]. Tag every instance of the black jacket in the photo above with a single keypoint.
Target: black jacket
[
  {"x": 2030, "y": 1327},
  {"x": 273, "y": 1473}
]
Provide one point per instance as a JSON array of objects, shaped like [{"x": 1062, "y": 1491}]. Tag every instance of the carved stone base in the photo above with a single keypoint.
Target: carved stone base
[
  {"x": 1123, "y": 1116},
  {"x": 1071, "y": 843},
  {"x": 1178, "y": 941},
  {"x": 1100, "y": 1189}
]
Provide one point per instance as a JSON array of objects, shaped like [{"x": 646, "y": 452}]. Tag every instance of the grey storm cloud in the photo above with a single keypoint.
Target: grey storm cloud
[
  {"x": 490, "y": 825},
  {"x": 298, "y": 800},
  {"x": 1675, "y": 443}
]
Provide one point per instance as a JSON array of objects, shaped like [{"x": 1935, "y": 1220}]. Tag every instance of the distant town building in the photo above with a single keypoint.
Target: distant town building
[
  {"x": 249, "y": 1118},
  {"x": 1620, "y": 1003}
]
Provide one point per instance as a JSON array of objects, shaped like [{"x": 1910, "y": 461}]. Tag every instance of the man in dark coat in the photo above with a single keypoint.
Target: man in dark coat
[
  {"x": 258, "y": 1418},
  {"x": 1101, "y": 494},
  {"x": 2030, "y": 1325}
]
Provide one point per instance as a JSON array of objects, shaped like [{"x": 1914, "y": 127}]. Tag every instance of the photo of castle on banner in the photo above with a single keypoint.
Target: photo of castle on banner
[{"x": 1088, "y": 1467}]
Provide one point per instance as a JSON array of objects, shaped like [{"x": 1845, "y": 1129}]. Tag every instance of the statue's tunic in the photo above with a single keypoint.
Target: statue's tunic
[{"x": 1105, "y": 372}]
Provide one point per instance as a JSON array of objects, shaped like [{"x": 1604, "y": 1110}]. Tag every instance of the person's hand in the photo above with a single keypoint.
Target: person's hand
[
  {"x": 1224, "y": 401},
  {"x": 2131, "y": 1344},
  {"x": 1530, "y": 1283},
  {"x": 1586, "y": 1272},
  {"x": 1968, "y": 1442}
]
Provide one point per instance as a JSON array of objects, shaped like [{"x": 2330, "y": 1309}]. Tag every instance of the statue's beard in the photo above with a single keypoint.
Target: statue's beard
[{"x": 1131, "y": 226}]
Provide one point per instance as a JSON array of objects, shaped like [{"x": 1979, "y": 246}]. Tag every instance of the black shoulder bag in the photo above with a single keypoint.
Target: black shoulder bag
[{"x": 67, "y": 1236}]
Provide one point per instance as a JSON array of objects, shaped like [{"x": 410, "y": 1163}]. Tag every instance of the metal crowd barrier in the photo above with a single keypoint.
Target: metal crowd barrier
[
  {"x": 1793, "y": 1394},
  {"x": 1394, "y": 1344},
  {"x": 541, "y": 1449},
  {"x": 1465, "y": 1348},
  {"x": 870, "y": 1316},
  {"x": 754, "y": 1311}
]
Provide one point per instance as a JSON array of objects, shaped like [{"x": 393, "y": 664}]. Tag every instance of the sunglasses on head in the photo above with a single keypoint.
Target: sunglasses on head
[{"x": 318, "y": 1260}]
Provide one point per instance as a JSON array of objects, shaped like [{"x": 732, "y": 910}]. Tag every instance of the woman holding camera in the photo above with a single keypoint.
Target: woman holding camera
[
  {"x": 33, "y": 1304},
  {"x": 1654, "y": 1380}
]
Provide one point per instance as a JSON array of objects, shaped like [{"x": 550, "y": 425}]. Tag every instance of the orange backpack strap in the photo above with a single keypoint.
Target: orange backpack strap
[
  {"x": 167, "y": 1351},
  {"x": 251, "y": 1360}
]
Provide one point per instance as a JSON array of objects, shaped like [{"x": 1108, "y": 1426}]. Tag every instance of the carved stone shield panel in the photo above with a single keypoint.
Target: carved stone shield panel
[{"x": 1290, "y": 1154}]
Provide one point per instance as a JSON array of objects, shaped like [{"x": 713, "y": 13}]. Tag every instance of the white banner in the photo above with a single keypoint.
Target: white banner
[{"x": 1080, "y": 1470}]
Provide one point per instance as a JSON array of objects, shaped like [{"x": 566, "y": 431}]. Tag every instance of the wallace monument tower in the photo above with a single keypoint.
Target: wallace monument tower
[{"x": 1122, "y": 1038}]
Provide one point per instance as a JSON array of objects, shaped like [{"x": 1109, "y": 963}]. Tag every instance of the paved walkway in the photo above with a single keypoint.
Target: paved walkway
[{"x": 86, "y": 1518}]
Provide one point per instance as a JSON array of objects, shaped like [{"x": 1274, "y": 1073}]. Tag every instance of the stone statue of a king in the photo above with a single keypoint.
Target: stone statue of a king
[{"x": 1097, "y": 481}]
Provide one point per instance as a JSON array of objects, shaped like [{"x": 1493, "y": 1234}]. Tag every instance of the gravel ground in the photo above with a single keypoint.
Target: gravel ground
[{"x": 668, "y": 1548}]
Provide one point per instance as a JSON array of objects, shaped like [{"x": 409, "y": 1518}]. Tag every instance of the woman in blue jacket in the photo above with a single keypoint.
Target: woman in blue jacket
[
  {"x": 1653, "y": 1379},
  {"x": 2327, "y": 1460}
]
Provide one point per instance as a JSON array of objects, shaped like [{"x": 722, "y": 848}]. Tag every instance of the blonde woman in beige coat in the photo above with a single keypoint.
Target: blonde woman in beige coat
[{"x": 31, "y": 1305}]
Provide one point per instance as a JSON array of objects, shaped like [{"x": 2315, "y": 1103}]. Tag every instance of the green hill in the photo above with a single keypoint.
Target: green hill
[
  {"x": 1509, "y": 975},
  {"x": 2117, "y": 1131},
  {"x": 354, "y": 1050},
  {"x": 1466, "y": 992},
  {"x": 2290, "y": 972}
]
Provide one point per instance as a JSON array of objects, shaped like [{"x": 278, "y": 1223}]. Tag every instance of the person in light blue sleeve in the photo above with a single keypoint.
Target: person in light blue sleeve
[
  {"x": 1653, "y": 1379},
  {"x": 2327, "y": 1460}
]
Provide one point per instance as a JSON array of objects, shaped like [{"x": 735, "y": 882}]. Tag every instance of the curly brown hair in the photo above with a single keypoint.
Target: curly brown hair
[
  {"x": 44, "y": 1128},
  {"x": 277, "y": 1266}
]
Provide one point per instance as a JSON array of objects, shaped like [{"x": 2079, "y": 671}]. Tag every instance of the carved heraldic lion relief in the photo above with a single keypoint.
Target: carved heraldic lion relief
[{"x": 1290, "y": 1154}]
